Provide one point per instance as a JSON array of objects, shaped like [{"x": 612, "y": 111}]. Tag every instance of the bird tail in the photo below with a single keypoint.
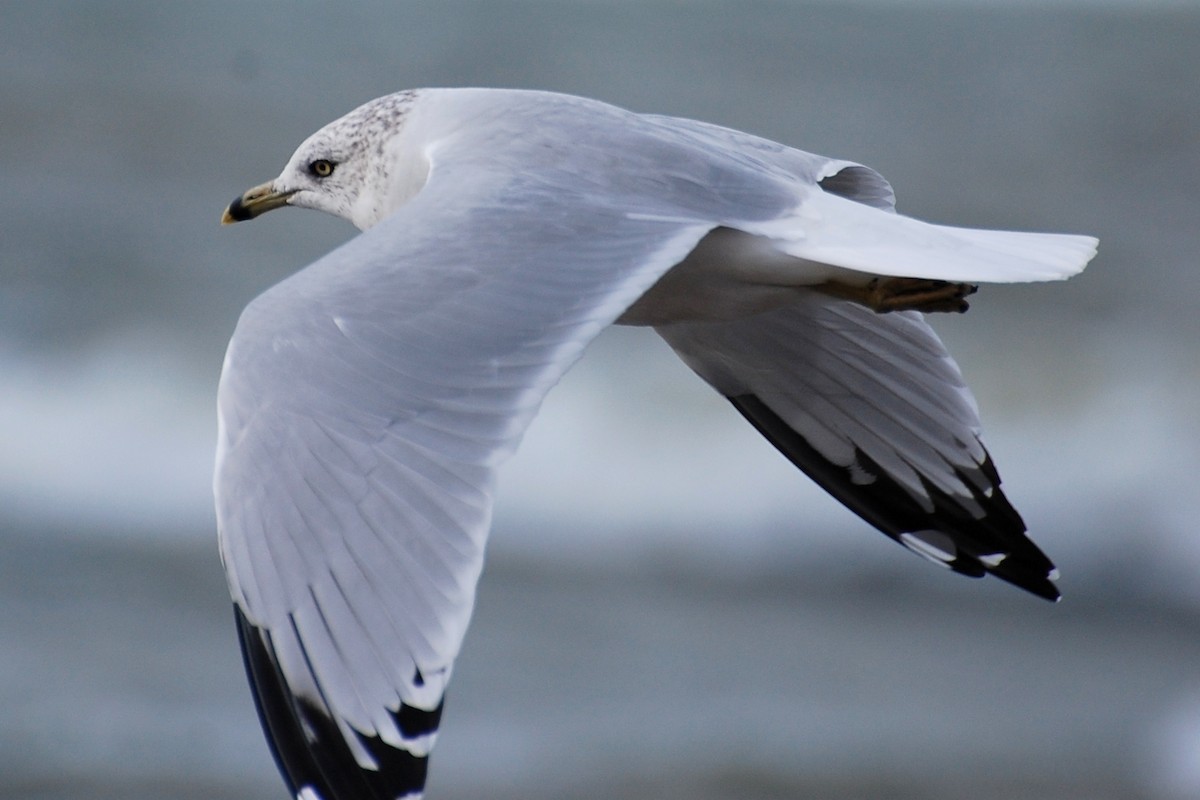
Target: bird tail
[{"x": 843, "y": 233}]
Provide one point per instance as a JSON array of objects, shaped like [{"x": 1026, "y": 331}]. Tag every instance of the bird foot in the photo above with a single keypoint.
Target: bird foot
[{"x": 884, "y": 295}]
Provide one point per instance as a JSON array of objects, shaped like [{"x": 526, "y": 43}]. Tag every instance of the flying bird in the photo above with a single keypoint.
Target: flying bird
[{"x": 367, "y": 401}]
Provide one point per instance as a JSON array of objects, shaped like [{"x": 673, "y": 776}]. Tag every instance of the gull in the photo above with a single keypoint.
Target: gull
[{"x": 367, "y": 401}]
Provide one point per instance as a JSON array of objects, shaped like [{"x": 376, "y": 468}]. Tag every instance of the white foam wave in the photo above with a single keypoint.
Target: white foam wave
[{"x": 631, "y": 454}]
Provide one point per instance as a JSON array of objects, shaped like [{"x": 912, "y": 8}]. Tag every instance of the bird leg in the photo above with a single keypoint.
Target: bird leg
[{"x": 902, "y": 294}]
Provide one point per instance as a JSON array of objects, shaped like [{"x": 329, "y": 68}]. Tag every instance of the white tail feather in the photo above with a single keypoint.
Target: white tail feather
[{"x": 842, "y": 233}]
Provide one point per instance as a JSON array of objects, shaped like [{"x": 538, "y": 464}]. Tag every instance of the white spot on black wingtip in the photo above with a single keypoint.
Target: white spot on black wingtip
[
  {"x": 993, "y": 560},
  {"x": 932, "y": 545},
  {"x": 308, "y": 793}
]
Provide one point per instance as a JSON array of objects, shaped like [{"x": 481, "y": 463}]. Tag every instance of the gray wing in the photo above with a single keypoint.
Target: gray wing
[
  {"x": 873, "y": 408},
  {"x": 365, "y": 405},
  {"x": 846, "y": 179}
]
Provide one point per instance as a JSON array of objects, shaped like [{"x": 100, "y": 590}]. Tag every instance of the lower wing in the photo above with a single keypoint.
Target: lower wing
[{"x": 872, "y": 408}]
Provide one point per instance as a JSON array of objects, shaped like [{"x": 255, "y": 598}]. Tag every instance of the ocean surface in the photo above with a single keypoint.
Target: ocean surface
[{"x": 670, "y": 610}]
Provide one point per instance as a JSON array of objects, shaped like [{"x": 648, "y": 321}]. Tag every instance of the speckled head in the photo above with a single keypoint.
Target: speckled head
[{"x": 346, "y": 168}]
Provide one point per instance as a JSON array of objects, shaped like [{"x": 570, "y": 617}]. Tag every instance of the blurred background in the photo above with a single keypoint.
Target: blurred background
[{"x": 670, "y": 610}]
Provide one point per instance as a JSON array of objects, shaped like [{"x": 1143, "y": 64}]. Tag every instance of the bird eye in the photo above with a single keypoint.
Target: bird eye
[{"x": 322, "y": 168}]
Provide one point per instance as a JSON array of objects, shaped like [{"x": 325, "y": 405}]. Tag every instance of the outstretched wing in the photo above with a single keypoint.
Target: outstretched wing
[
  {"x": 872, "y": 407},
  {"x": 365, "y": 404}
]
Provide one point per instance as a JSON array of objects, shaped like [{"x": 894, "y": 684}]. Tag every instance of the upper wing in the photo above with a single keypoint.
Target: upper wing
[
  {"x": 365, "y": 404},
  {"x": 872, "y": 407},
  {"x": 846, "y": 179}
]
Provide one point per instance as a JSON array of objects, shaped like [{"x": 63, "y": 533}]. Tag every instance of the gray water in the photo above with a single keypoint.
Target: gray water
[{"x": 668, "y": 611}]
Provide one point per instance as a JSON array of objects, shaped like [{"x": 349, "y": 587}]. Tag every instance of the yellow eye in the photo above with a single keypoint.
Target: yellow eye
[{"x": 322, "y": 168}]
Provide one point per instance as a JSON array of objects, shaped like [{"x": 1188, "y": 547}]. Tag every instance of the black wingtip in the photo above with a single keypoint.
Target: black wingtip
[
  {"x": 949, "y": 535},
  {"x": 313, "y": 757},
  {"x": 276, "y": 712},
  {"x": 1038, "y": 583}
]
